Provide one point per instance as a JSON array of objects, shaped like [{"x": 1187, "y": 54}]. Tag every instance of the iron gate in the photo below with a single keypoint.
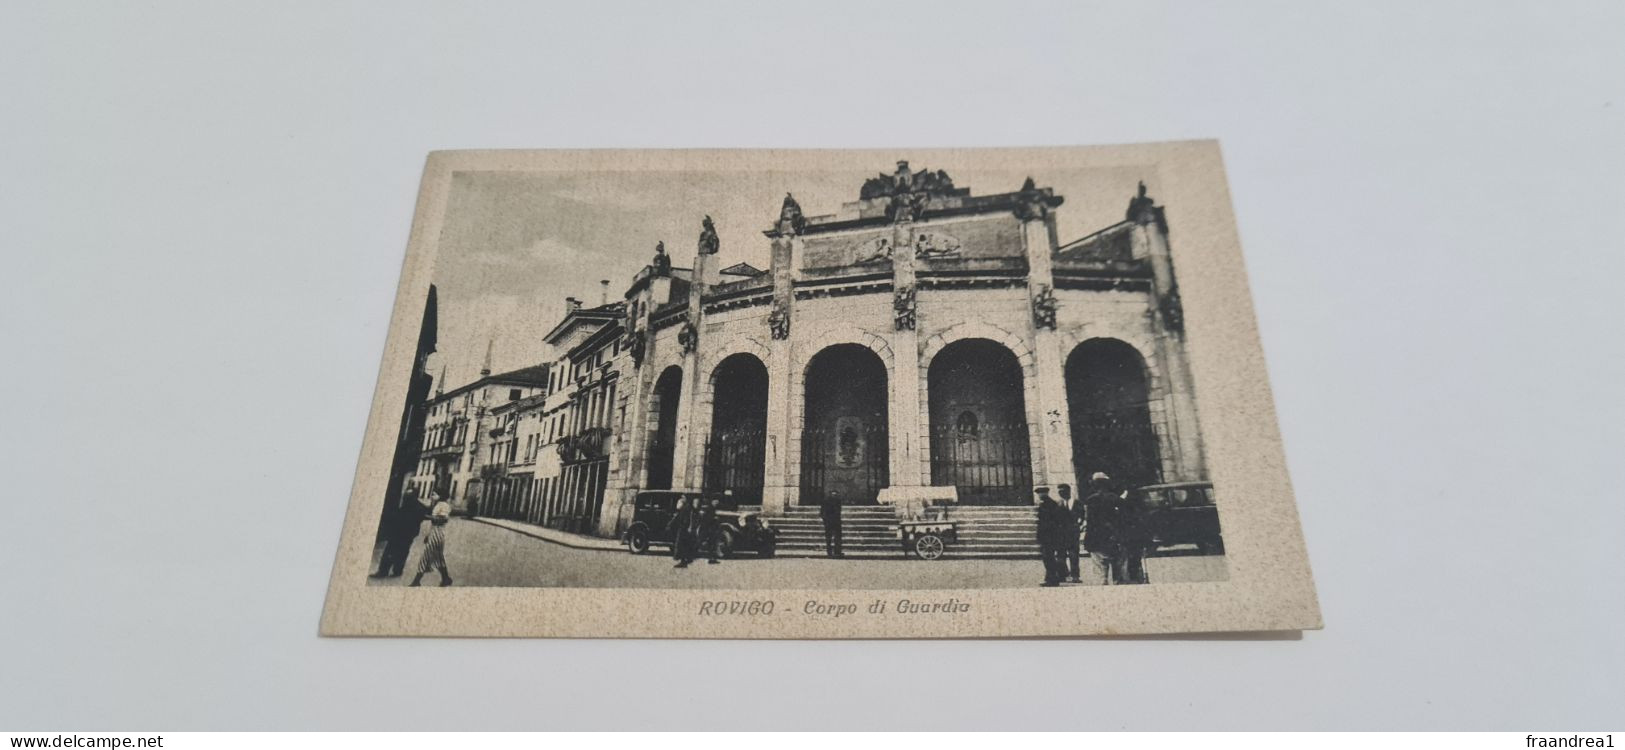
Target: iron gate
[
  {"x": 990, "y": 464},
  {"x": 734, "y": 461},
  {"x": 852, "y": 459}
]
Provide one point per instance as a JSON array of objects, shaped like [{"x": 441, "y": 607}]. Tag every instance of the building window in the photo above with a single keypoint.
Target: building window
[{"x": 513, "y": 394}]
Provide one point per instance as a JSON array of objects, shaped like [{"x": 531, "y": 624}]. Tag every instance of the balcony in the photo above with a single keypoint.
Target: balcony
[
  {"x": 443, "y": 449},
  {"x": 590, "y": 444}
]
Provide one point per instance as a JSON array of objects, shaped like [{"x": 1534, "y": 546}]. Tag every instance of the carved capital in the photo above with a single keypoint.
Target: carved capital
[
  {"x": 778, "y": 322},
  {"x": 905, "y": 207},
  {"x": 1172, "y": 309},
  {"x": 688, "y": 337},
  {"x": 636, "y": 346},
  {"x": 903, "y": 308},
  {"x": 1044, "y": 307}
]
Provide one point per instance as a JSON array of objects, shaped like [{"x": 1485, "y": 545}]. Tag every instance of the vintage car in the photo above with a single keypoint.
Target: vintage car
[
  {"x": 1182, "y": 513},
  {"x": 742, "y": 530}
]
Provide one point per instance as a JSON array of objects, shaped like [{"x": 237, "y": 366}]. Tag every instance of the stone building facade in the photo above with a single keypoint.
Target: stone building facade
[
  {"x": 552, "y": 449},
  {"x": 918, "y": 342},
  {"x": 461, "y": 428}
]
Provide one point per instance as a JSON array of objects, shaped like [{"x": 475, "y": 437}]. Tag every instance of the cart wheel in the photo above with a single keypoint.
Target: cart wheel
[{"x": 928, "y": 546}]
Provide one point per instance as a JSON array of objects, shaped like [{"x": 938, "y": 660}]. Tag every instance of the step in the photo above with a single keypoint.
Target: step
[{"x": 896, "y": 553}]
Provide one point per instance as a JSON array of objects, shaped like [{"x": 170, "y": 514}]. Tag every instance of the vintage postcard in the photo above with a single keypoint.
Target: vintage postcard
[{"x": 901, "y": 393}]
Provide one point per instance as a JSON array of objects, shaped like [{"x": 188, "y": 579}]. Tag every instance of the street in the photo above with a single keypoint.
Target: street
[{"x": 480, "y": 554}]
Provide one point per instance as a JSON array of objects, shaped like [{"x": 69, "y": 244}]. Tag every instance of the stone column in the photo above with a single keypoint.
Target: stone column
[
  {"x": 630, "y": 464},
  {"x": 639, "y": 415},
  {"x": 1184, "y": 434},
  {"x": 691, "y": 418},
  {"x": 690, "y": 445},
  {"x": 782, "y": 452},
  {"x": 904, "y": 423},
  {"x": 1052, "y": 449}
]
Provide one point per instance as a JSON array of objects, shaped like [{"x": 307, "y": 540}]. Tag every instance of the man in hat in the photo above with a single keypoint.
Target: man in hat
[
  {"x": 710, "y": 530},
  {"x": 1053, "y": 522},
  {"x": 685, "y": 532},
  {"x": 401, "y": 526},
  {"x": 1100, "y": 517},
  {"x": 830, "y": 512},
  {"x": 1074, "y": 510},
  {"x": 1133, "y": 538}
]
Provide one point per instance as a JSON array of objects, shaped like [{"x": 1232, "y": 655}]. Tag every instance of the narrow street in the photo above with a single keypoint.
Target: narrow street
[{"x": 483, "y": 555}]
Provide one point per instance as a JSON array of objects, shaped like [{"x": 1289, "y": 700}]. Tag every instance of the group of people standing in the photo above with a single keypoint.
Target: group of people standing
[
  {"x": 1109, "y": 524},
  {"x": 694, "y": 528},
  {"x": 400, "y": 528}
]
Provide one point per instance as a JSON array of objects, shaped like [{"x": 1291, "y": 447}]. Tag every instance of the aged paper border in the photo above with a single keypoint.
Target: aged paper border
[{"x": 1270, "y": 585}]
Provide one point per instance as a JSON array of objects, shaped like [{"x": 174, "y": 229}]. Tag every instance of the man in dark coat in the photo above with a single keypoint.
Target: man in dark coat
[
  {"x": 685, "y": 532},
  {"x": 1053, "y": 523},
  {"x": 401, "y": 529},
  {"x": 1100, "y": 533},
  {"x": 710, "y": 531},
  {"x": 831, "y": 514},
  {"x": 1133, "y": 539},
  {"x": 1074, "y": 509}
]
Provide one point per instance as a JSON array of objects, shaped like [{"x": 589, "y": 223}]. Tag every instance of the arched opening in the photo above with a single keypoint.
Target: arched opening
[
  {"x": 663, "y": 442},
  {"x": 736, "y": 449},
  {"x": 979, "y": 433},
  {"x": 844, "y": 439},
  {"x": 1108, "y": 403}
]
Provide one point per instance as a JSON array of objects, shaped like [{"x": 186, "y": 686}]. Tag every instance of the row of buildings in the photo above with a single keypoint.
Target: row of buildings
[{"x": 920, "y": 342}]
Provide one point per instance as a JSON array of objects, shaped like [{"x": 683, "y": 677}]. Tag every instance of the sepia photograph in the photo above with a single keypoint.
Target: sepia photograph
[
  {"x": 990, "y": 383},
  {"x": 843, "y": 371}
]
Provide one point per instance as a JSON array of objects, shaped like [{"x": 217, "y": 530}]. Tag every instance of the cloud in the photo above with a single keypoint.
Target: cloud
[{"x": 548, "y": 250}]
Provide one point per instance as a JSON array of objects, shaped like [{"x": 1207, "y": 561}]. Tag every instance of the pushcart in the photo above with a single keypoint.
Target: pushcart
[{"x": 928, "y": 537}]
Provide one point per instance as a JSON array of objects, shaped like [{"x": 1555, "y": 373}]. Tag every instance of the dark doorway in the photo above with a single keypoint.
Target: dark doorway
[
  {"x": 844, "y": 440},
  {"x": 1107, "y": 401},
  {"x": 736, "y": 448},
  {"x": 663, "y": 443},
  {"x": 979, "y": 433}
]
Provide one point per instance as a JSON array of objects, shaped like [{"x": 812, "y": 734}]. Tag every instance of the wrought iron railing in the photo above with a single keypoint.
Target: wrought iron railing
[
  {"x": 734, "y": 462},
  {"x": 857, "y": 459},
  {"x": 988, "y": 463}
]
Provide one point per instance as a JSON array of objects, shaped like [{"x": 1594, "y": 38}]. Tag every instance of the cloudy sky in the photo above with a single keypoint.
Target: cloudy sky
[{"x": 515, "y": 244}]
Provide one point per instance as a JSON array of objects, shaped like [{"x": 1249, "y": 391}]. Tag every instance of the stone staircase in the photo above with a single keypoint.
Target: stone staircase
[{"x": 870, "y": 531}]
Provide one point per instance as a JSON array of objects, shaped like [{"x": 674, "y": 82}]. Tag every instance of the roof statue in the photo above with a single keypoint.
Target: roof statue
[
  {"x": 709, "y": 242},
  {"x": 1033, "y": 202},
  {"x": 1138, "y": 204},
  {"x": 791, "y": 220},
  {"x": 1143, "y": 209},
  {"x": 905, "y": 181},
  {"x": 662, "y": 262}
]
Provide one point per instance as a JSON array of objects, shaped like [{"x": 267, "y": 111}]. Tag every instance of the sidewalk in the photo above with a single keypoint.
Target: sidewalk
[{"x": 575, "y": 541}]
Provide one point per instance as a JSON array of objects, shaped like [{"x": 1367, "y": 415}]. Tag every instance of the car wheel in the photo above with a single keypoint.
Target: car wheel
[
  {"x": 637, "y": 541},
  {"x": 768, "y": 549},
  {"x": 928, "y": 546},
  {"x": 725, "y": 545}
]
